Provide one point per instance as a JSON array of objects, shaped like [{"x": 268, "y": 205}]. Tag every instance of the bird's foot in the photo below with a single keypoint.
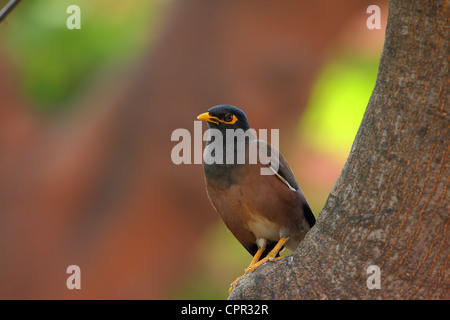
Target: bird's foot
[
  {"x": 271, "y": 256},
  {"x": 252, "y": 268},
  {"x": 235, "y": 282}
]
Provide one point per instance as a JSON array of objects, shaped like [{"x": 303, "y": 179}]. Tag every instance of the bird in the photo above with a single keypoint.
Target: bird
[{"x": 264, "y": 212}]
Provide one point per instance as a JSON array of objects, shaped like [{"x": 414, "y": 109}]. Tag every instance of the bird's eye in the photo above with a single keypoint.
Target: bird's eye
[{"x": 230, "y": 119}]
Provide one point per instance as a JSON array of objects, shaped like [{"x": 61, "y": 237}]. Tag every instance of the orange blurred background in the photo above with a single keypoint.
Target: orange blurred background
[{"x": 86, "y": 118}]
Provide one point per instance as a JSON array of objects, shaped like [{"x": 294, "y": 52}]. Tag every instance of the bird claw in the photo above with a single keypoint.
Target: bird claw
[
  {"x": 234, "y": 283},
  {"x": 251, "y": 268},
  {"x": 271, "y": 256}
]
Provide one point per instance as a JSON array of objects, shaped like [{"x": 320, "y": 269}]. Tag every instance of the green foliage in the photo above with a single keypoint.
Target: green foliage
[
  {"x": 337, "y": 103},
  {"x": 54, "y": 62}
]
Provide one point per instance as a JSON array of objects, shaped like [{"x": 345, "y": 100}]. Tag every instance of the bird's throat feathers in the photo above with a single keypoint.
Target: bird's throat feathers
[
  {"x": 230, "y": 147},
  {"x": 226, "y": 154}
]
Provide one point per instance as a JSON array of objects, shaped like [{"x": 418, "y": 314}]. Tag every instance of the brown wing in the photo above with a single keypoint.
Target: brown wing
[
  {"x": 284, "y": 172},
  {"x": 278, "y": 164}
]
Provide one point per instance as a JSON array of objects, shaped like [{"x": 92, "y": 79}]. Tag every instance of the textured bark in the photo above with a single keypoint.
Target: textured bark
[{"x": 389, "y": 207}]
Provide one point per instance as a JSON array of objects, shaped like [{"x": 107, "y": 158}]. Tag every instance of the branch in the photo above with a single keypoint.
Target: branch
[{"x": 8, "y": 8}]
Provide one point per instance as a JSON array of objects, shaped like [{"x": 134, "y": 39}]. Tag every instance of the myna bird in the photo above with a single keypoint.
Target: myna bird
[{"x": 264, "y": 212}]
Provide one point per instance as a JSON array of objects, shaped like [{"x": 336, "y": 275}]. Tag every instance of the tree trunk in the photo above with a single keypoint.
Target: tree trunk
[{"x": 389, "y": 207}]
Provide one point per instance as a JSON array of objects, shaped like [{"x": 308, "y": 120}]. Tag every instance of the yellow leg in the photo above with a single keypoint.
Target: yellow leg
[
  {"x": 257, "y": 255},
  {"x": 271, "y": 255},
  {"x": 254, "y": 261},
  {"x": 255, "y": 264}
]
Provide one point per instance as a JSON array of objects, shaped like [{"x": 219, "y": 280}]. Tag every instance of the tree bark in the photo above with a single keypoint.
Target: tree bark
[{"x": 389, "y": 206}]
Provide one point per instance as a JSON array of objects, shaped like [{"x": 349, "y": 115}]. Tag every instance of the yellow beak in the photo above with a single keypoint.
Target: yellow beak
[{"x": 207, "y": 117}]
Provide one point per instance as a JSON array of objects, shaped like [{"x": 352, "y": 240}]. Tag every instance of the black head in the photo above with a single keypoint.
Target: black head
[{"x": 224, "y": 117}]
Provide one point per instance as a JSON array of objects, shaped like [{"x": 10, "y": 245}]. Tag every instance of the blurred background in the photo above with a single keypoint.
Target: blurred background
[{"x": 86, "y": 118}]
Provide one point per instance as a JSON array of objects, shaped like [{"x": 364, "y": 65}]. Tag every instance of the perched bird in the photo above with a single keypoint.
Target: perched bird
[{"x": 264, "y": 212}]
